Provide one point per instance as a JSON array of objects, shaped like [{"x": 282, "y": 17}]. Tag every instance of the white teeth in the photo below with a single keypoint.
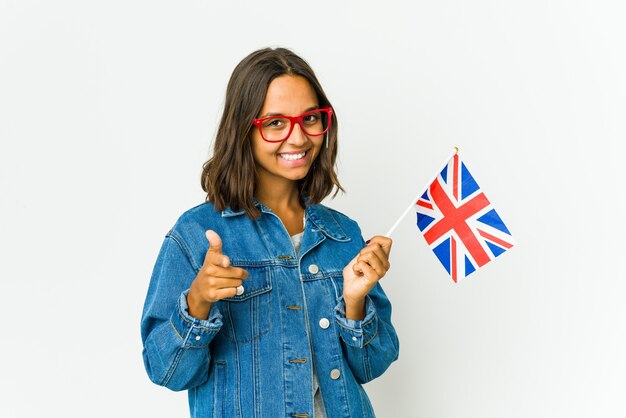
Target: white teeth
[{"x": 292, "y": 157}]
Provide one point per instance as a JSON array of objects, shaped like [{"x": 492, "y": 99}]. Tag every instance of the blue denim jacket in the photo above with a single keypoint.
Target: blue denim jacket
[{"x": 254, "y": 356}]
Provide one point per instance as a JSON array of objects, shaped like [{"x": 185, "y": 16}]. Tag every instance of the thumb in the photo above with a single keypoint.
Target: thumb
[{"x": 215, "y": 242}]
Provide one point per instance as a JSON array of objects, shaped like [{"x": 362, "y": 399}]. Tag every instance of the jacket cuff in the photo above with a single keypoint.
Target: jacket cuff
[
  {"x": 194, "y": 332},
  {"x": 357, "y": 333}
]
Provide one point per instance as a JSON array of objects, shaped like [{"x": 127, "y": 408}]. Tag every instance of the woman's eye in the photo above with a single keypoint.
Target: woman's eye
[
  {"x": 312, "y": 118},
  {"x": 273, "y": 123}
]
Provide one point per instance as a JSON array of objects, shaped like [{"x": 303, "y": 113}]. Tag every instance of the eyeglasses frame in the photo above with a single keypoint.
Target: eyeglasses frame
[{"x": 293, "y": 120}]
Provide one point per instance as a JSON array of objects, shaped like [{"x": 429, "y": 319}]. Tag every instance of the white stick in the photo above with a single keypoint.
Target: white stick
[{"x": 388, "y": 234}]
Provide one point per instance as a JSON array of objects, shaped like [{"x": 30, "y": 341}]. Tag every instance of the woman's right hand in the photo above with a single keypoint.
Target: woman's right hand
[{"x": 216, "y": 279}]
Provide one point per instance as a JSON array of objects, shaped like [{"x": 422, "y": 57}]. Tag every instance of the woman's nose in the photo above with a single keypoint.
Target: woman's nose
[{"x": 297, "y": 136}]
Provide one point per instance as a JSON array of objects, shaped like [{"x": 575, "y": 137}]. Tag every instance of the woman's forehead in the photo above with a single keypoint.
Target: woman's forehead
[{"x": 289, "y": 95}]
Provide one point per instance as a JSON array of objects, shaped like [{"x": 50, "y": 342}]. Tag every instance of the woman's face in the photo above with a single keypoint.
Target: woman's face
[{"x": 290, "y": 160}]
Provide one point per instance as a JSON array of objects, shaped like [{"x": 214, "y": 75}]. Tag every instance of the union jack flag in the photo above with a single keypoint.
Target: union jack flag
[{"x": 459, "y": 223}]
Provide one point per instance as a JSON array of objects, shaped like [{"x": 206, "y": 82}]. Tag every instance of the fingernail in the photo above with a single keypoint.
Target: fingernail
[{"x": 368, "y": 241}]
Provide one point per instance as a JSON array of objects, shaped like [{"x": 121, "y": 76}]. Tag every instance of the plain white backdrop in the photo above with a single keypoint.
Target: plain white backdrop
[{"x": 108, "y": 110}]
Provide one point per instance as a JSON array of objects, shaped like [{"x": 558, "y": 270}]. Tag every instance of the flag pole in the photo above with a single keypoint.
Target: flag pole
[{"x": 395, "y": 225}]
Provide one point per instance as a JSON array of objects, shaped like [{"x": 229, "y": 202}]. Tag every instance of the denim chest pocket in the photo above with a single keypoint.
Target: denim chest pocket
[
  {"x": 247, "y": 316},
  {"x": 336, "y": 278}
]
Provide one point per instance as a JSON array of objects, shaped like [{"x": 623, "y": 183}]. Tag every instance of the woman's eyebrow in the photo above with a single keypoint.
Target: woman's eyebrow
[
  {"x": 267, "y": 115},
  {"x": 270, "y": 114}
]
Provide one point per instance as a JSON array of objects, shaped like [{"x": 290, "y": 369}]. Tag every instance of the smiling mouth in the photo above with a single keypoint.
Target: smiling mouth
[{"x": 293, "y": 157}]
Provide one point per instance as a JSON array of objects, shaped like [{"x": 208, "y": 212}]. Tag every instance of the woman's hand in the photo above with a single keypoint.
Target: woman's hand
[
  {"x": 216, "y": 279},
  {"x": 362, "y": 274}
]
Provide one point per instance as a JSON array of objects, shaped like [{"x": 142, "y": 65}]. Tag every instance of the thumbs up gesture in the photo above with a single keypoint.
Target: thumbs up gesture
[{"x": 216, "y": 279}]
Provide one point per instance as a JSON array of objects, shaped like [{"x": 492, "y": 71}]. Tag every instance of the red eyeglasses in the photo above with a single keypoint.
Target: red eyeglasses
[{"x": 278, "y": 128}]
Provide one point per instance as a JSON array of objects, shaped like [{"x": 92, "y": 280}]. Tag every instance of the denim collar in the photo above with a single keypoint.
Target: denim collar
[{"x": 319, "y": 215}]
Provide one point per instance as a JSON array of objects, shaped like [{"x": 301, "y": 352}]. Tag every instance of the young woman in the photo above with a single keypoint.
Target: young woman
[{"x": 263, "y": 302}]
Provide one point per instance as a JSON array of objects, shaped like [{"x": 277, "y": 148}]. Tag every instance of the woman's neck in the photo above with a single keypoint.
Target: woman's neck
[
  {"x": 279, "y": 196},
  {"x": 285, "y": 203}
]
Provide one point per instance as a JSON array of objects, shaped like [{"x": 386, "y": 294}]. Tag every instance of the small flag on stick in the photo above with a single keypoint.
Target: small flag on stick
[{"x": 458, "y": 222}]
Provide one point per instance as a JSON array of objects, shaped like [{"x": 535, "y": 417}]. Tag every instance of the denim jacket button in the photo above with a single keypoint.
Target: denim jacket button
[
  {"x": 324, "y": 323},
  {"x": 198, "y": 338},
  {"x": 334, "y": 374},
  {"x": 313, "y": 269}
]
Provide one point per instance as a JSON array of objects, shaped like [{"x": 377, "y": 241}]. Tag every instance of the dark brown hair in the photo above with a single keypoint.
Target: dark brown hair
[{"x": 228, "y": 177}]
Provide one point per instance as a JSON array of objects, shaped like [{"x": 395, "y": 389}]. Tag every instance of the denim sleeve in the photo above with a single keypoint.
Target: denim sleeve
[
  {"x": 176, "y": 346},
  {"x": 371, "y": 344}
]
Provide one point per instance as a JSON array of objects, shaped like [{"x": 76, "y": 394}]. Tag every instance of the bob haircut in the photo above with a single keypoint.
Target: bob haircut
[{"x": 229, "y": 176}]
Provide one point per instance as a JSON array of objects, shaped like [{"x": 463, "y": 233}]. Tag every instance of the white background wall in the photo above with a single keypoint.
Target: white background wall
[{"x": 107, "y": 111}]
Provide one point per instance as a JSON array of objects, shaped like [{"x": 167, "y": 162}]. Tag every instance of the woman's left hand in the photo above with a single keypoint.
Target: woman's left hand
[{"x": 362, "y": 274}]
